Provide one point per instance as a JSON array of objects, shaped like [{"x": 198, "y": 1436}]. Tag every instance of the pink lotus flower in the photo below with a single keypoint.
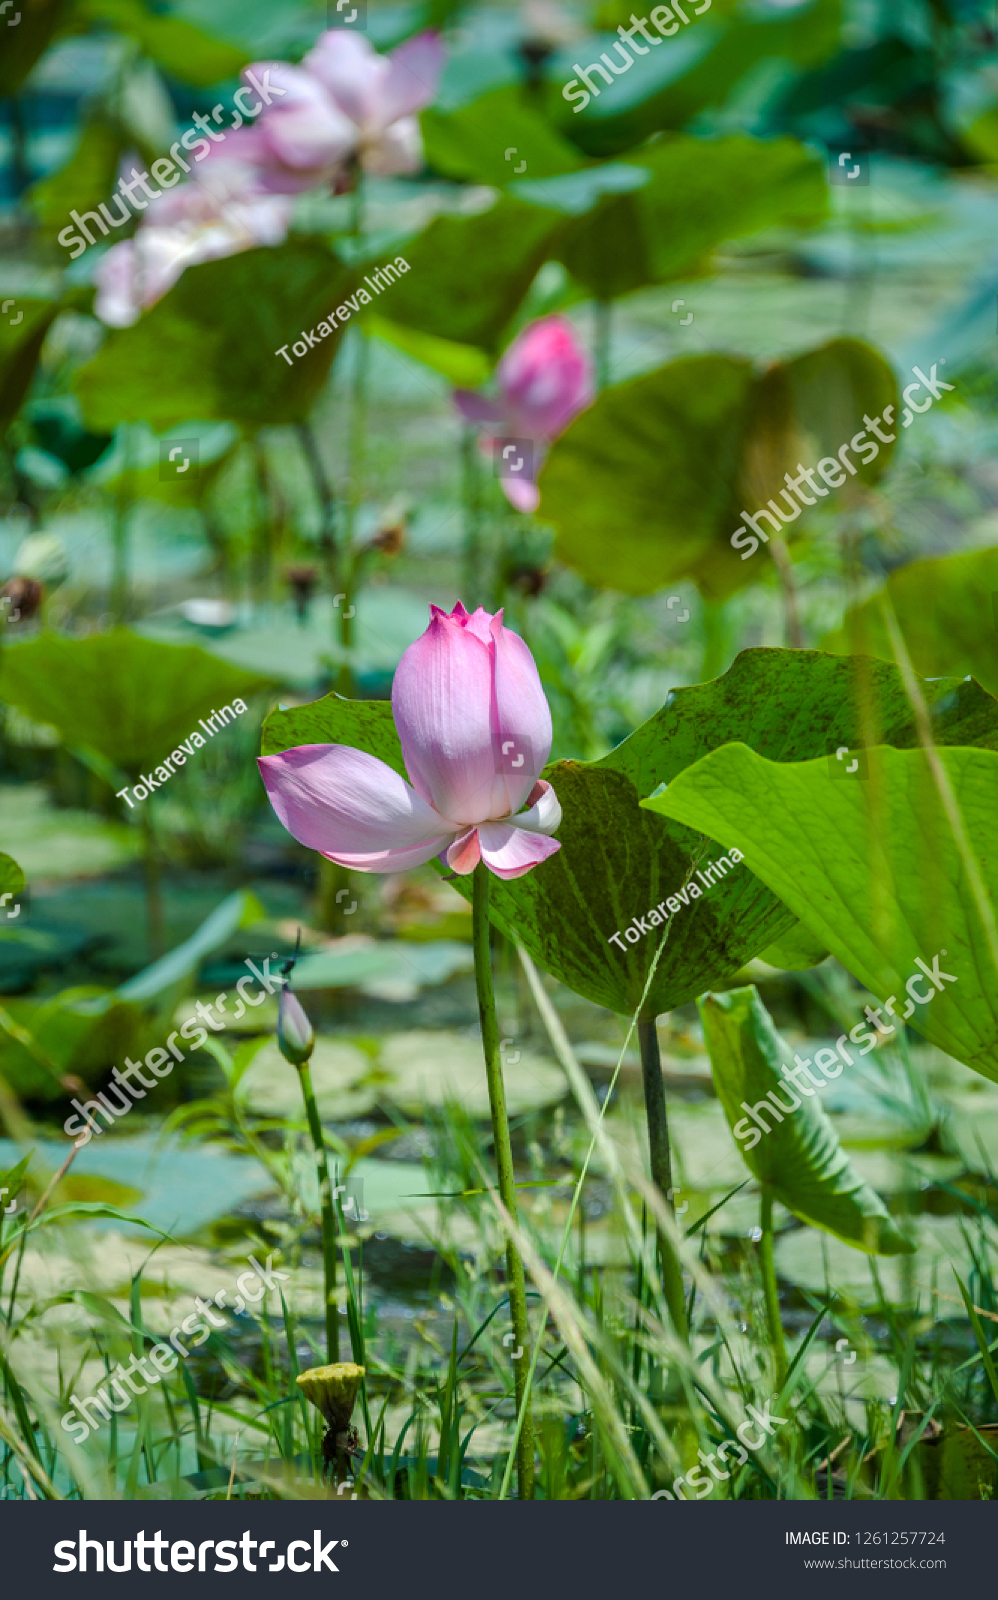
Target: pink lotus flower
[
  {"x": 544, "y": 381},
  {"x": 475, "y": 730},
  {"x": 217, "y": 214},
  {"x": 346, "y": 100}
]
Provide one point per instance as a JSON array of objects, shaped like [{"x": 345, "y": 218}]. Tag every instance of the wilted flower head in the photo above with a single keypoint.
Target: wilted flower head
[
  {"x": 475, "y": 731},
  {"x": 333, "y": 1390},
  {"x": 544, "y": 380}
]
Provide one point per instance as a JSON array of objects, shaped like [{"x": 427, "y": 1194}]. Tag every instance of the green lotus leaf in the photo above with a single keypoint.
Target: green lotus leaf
[{"x": 800, "y": 1158}]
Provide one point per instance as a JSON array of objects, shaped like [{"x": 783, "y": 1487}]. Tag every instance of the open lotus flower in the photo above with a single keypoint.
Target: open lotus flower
[
  {"x": 346, "y": 100},
  {"x": 475, "y": 730},
  {"x": 544, "y": 380}
]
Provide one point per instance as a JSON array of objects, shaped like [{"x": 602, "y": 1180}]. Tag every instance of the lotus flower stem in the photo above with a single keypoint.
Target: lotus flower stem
[
  {"x": 154, "y": 892},
  {"x": 661, "y": 1166},
  {"x": 602, "y": 337},
  {"x": 769, "y": 1286},
  {"x": 471, "y": 496},
  {"x": 122, "y": 506},
  {"x": 328, "y": 1216},
  {"x": 504, "y": 1166},
  {"x": 356, "y": 440}
]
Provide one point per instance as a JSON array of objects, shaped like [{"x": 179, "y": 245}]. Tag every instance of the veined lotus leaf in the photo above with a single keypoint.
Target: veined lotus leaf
[{"x": 131, "y": 700}]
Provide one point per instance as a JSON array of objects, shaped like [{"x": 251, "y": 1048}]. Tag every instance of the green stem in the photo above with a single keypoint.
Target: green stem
[
  {"x": 355, "y": 494},
  {"x": 601, "y": 343},
  {"x": 471, "y": 496},
  {"x": 154, "y": 892},
  {"x": 122, "y": 506},
  {"x": 661, "y": 1168},
  {"x": 714, "y": 635},
  {"x": 504, "y": 1165},
  {"x": 328, "y": 1216},
  {"x": 769, "y": 1286}
]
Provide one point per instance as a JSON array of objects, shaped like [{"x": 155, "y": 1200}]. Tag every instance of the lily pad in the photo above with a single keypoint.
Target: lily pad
[
  {"x": 51, "y": 842},
  {"x": 428, "y": 1069},
  {"x": 271, "y": 1087}
]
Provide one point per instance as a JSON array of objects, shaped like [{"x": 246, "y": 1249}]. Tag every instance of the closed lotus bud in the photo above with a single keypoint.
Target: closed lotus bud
[
  {"x": 333, "y": 1390},
  {"x": 295, "y": 1037}
]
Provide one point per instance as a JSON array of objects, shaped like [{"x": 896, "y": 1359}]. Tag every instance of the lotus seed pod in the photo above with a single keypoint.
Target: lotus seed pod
[{"x": 333, "y": 1390}]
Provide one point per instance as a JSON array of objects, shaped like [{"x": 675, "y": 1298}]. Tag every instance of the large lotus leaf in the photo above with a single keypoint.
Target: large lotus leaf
[
  {"x": 657, "y": 460},
  {"x": 181, "y": 48},
  {"x": 701, "y": 193},
  {"x": 672, "y": 461},
  {"x": 461, "y": 364},
  {"x": 80, "y": 1031},
  {"x": 947, "y": 611},
  {"x": 23, "y": 326},
  {"x": 806, "y": 409},
  {"x": 470, "y": 144},
  {"x": 469, "y": 274},
  {"x": 807, "y": 36},
  {"x": 128, "y": 698},
  {"x": 617, "y": 861},
  {"x": 11, "y": 876},
  {"x": 800, "y": 1159},
  {"x": 210, "y": 347},
  {"x": 869, "y": 863}
]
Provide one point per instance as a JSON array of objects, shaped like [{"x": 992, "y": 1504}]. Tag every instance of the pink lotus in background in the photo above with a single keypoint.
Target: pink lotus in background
[
  {"x": 218, "y": 214},
  {"x": 544, "y": 381},
  {"x": 347, "y": 101},
  {"x": 475, "y": 730}
]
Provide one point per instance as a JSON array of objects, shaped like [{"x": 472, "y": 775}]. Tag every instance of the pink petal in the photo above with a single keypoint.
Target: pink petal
[
  {"x": 545, "y": 378},
  {"x": 523, "y": 716},
  {"x": 509, "y": 852},
  {"x": 443, "y": 707},
  {"x": 465, "y": 853},
  {"x": 477, "y": 408},
  {"x": 393, "y": 150},
  {"x": 478, "y": 622},
  {"x": 307, "y": 130},
  {"x": 352, "y": 807},
  {"x": 353, "y": 72},
  {"x": 522, "y": 493},
  {"x": 414, "y": 69},
  {"x": 544, "y": 815}
]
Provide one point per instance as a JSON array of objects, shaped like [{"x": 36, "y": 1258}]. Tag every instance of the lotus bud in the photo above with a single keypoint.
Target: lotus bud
[{"x": 295, "y": 1037}]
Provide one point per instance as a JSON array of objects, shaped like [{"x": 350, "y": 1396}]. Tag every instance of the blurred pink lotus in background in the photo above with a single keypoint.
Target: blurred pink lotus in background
[
  {"x": 217, "y": 214},
  {"x": 544, "y": 380},
  {"x": 475, "y": 731},
  {"x": 346, "y": 102}
]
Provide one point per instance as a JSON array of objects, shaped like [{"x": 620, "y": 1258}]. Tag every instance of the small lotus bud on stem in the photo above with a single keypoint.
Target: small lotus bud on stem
[{"x": 295, "y": 1038}]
